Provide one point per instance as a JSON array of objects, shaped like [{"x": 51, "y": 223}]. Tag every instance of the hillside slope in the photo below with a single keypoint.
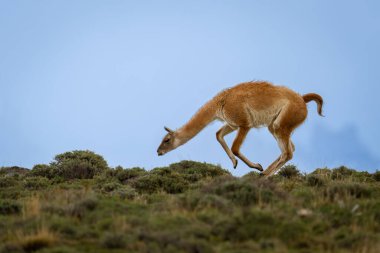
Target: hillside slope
[{"x": 187, "y": 207}]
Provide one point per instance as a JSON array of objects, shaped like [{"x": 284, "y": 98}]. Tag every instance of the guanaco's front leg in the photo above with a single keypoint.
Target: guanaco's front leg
[
  {"x": 242, "y": 133},
  {"x": 226, "y": 129}
]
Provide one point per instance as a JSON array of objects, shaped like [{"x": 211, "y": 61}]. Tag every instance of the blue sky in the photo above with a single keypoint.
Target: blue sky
[{"x": 108, "y": 75}]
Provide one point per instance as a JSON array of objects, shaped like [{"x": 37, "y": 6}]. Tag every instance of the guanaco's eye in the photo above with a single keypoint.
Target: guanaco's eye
[{"x": 166, "y": 140}]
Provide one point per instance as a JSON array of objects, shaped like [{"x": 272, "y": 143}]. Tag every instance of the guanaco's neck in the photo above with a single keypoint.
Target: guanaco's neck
[{"x": 205, "y": 115}]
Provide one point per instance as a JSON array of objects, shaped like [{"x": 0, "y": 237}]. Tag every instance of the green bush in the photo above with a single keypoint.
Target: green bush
[
  {"x": 253, "y": 225},
  {"x": 294, "y": 233},
  {"x": 125, "y": 192},
  {"x": 9, "y": 207},
  {"x": 111, "y": 186},
  {"x": 147, "y": 184},
  {"x": 342, "y": 190},
  {"x": 156, "y": 181},
  {"x": 13, "y": 170},
  {"x": 64, "y": 227},
  {"x": 315, "y": 180},
  {"x": 36, "y": 183},
  {"x": 79, "y": 164},
  {"x": 43, "y": 170},
  {"x": 376, "y": 176},
  {"x": 203, "y": 201},
  {"x": 341, "y": 172},
  {"x": 81, "y": 207},
  {"x": 244, "y": 192},
  {"x": 163, "y": 241},
  {"x": 124, "y": 175},
  {"x": 8, "y": 181},
  {"x": 195, "y": 171},
  {"x": 289, "y": 171},
  {"x": 113, "y": 241},
  {"x": 325, "y": 172}
]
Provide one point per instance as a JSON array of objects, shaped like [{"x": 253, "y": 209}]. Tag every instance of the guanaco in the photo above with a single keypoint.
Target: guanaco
[{"x": 248, "y": 105}]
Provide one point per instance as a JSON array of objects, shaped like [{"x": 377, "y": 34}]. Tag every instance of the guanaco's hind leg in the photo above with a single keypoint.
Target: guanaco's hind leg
[
  {"x": 226, "y": 129},
  {"x": 281, "y": 128},
  {"x": 242, "y": 133},
  {"x": 286, "y": 147}
]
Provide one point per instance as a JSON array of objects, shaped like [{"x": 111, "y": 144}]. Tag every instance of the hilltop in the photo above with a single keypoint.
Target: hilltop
[{"x": 77, "y": 203}]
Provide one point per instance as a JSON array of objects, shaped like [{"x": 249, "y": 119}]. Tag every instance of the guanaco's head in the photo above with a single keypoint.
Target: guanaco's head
[{"x": 169, "y": 142}]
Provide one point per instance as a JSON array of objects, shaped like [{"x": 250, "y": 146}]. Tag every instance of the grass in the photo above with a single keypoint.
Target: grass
[{"x": 188, "y": 207}]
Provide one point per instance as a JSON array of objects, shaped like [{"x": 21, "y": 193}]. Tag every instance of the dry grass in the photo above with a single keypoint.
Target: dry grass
[
  {"x": 41, "y": 238},
  {"x": 31, "y": 207}
]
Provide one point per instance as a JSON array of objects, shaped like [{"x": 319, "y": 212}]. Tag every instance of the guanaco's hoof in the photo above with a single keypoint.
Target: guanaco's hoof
[
  {"x": 259, "y": 167},
  {"x": 235, "y": 162}
]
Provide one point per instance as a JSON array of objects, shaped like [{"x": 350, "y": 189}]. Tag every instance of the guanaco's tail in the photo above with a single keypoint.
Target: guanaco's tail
[{"x": 317, "y": 98}]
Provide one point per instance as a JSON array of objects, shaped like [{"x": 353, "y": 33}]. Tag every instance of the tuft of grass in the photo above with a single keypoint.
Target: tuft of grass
[
  {"x": 42, "y": 238},
  {"x": 31, "y": 207}
]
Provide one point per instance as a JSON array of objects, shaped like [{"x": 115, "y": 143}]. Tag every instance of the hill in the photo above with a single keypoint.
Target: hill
[{"x": 78, "y": 204}]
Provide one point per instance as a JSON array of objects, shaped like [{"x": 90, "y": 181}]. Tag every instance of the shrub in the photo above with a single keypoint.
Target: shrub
[
  {"x": 294, "y": 233},
  {"x": 9, "y": 207},
  {"x": 64, "y": 227},
  {"x": 14, "y": 170},
  {"x": 195, "y": 171},
  {"x": 79, "y": 164},
  {"x": 147, "y": 184},
  {"x": 125, "y": 192},
  {"x": 376, "y": 176},
  {"x": 315, "y": 180},
  {"x": 341, "y": 172},
  {"x": 113, "y": 241},
  {"x": 244, "y": 192},
  {"x": 252, "y": 225},
  {"x": 123, "y": 175},
  {"x": 157, "y": 180},
  {"x": 111, "y": 186},
  {"x": 213, "y": 201},
  {"x": 289, "y": 171},
  {"x": 199, "y": 201},
  {"x": 322, "y": 172},
  {"x": 7, "y": 181},
  {"x": 162, "y": 241},
  {"x": 341, "y": 190},
  {"x": 80, "y": 208},
  {"x": 43, "y": 170},
  {"x": 36, "y": 183}
]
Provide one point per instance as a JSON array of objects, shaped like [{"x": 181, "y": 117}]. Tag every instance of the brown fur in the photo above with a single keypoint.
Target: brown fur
[{"x": 245, "y": 106}]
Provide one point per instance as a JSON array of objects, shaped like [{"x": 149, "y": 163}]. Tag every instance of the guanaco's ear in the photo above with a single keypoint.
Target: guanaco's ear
[{"x": 169, "y": 130}]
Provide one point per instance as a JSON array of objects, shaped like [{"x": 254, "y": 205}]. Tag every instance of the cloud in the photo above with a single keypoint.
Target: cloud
[{"x": 332, "y": 148}]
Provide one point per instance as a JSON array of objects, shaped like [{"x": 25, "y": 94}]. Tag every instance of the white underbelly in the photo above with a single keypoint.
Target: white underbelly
[{"x": 263, "y": 118}]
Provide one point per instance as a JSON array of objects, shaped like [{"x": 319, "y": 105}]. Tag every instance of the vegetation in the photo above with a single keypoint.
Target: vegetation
[{"x": 78, "y": 204}]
